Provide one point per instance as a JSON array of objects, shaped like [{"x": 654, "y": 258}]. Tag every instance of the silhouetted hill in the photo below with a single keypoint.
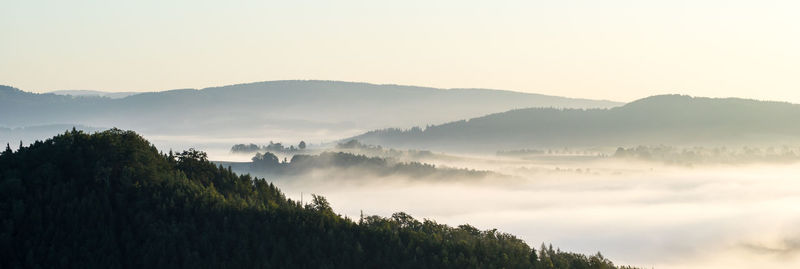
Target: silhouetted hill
[
  {"x": 111, "y": 200},
  {"x": 305, "y": 106},
  {"x": 665, "y": 119}
]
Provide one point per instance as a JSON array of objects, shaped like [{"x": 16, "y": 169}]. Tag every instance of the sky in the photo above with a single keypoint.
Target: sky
[{"x": 616, "y": 50}]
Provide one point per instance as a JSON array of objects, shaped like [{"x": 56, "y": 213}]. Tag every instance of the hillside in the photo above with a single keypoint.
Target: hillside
[
  {"x": 666, "y": 119},
  {"x": 112, "y": 200},
  {"x": 254, "y": 108}
]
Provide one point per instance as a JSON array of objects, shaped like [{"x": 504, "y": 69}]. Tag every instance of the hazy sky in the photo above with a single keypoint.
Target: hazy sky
[{"x": 619, "y": 50}]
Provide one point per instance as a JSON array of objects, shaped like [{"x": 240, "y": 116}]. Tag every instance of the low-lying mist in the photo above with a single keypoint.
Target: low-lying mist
[{"x": 636, "y": 213}]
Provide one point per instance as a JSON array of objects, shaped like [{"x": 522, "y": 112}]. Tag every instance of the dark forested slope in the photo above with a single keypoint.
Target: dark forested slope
[
  {"x": 111, "y": 200},
  {"x": 666, "y": 119}
]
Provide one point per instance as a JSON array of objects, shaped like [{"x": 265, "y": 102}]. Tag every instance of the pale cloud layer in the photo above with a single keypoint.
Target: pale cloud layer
[
  {"x": 642, "y": 214},
  {"x": 619, "y": 50}
]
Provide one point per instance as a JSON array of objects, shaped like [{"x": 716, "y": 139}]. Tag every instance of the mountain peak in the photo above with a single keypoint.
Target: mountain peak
[{"x": 661, "y": 100}]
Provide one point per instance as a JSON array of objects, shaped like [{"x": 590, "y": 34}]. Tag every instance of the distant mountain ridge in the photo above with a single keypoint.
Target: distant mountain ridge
[
  {"x": 664, "y": 119},
  {"x": 113, "y": 95},
  {"x": 261, "y": 107}
]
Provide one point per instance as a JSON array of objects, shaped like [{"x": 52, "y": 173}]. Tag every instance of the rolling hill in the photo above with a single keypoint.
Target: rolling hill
[
  {"x": 266, "y": 108},
  {"x": 665, "y": 119}
]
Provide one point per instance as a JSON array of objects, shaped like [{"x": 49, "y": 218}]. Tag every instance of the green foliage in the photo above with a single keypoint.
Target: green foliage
[{"x": 111, "y": 200}]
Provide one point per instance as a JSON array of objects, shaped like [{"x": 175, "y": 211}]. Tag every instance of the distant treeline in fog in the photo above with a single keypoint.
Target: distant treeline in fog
[
  {"x": 561, "y": 152},
  {"x": 667, "y": 119},
  {"x": 272, "y": 147},
  {"x": 350, "y": 146},
  {"x": 354, "y": 164},
  {"x": 710, "y": 155},
  {"x": 354, "y": 146},
  {"x": 112, "y": 200}
]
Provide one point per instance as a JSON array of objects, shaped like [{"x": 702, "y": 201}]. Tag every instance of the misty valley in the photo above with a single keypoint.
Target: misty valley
[
  {"x": 639, "y": 204},
  {"x": 326, "y": 174}
]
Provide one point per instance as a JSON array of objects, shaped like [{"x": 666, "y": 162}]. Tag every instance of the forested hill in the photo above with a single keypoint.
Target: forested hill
[
  {"x": 111, "y": 200},
  {"x": 666, "y": 119},
  {"x": 290, "y": 105}
]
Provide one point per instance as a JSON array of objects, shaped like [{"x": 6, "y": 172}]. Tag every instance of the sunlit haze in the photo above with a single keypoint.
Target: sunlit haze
[
  {"x": 617, "y": 50},
  {"x": 400, "y": 134}
]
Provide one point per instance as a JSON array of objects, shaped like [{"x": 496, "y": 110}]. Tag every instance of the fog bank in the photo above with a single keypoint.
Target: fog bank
[{"x": 665, "y": 217}]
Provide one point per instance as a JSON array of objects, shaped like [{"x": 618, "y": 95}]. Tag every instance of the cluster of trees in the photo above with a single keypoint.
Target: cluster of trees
[
  {"x": 354, "y": 146},
  {"x": 713, "y": 155},
  {"x": 268, "y": 163},
  {"x": 111, "y": 200},
  {"x": 245, "y": 148},
  {"x": 272, "y": 147},
  {"x": 374, "y": 160}
]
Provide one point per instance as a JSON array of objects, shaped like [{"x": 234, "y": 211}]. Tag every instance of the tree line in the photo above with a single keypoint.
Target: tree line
[
  {"x": 710, "y": 155},
  {"x": 268, "y": 163},
  {"x": 273, "y": 147}
]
